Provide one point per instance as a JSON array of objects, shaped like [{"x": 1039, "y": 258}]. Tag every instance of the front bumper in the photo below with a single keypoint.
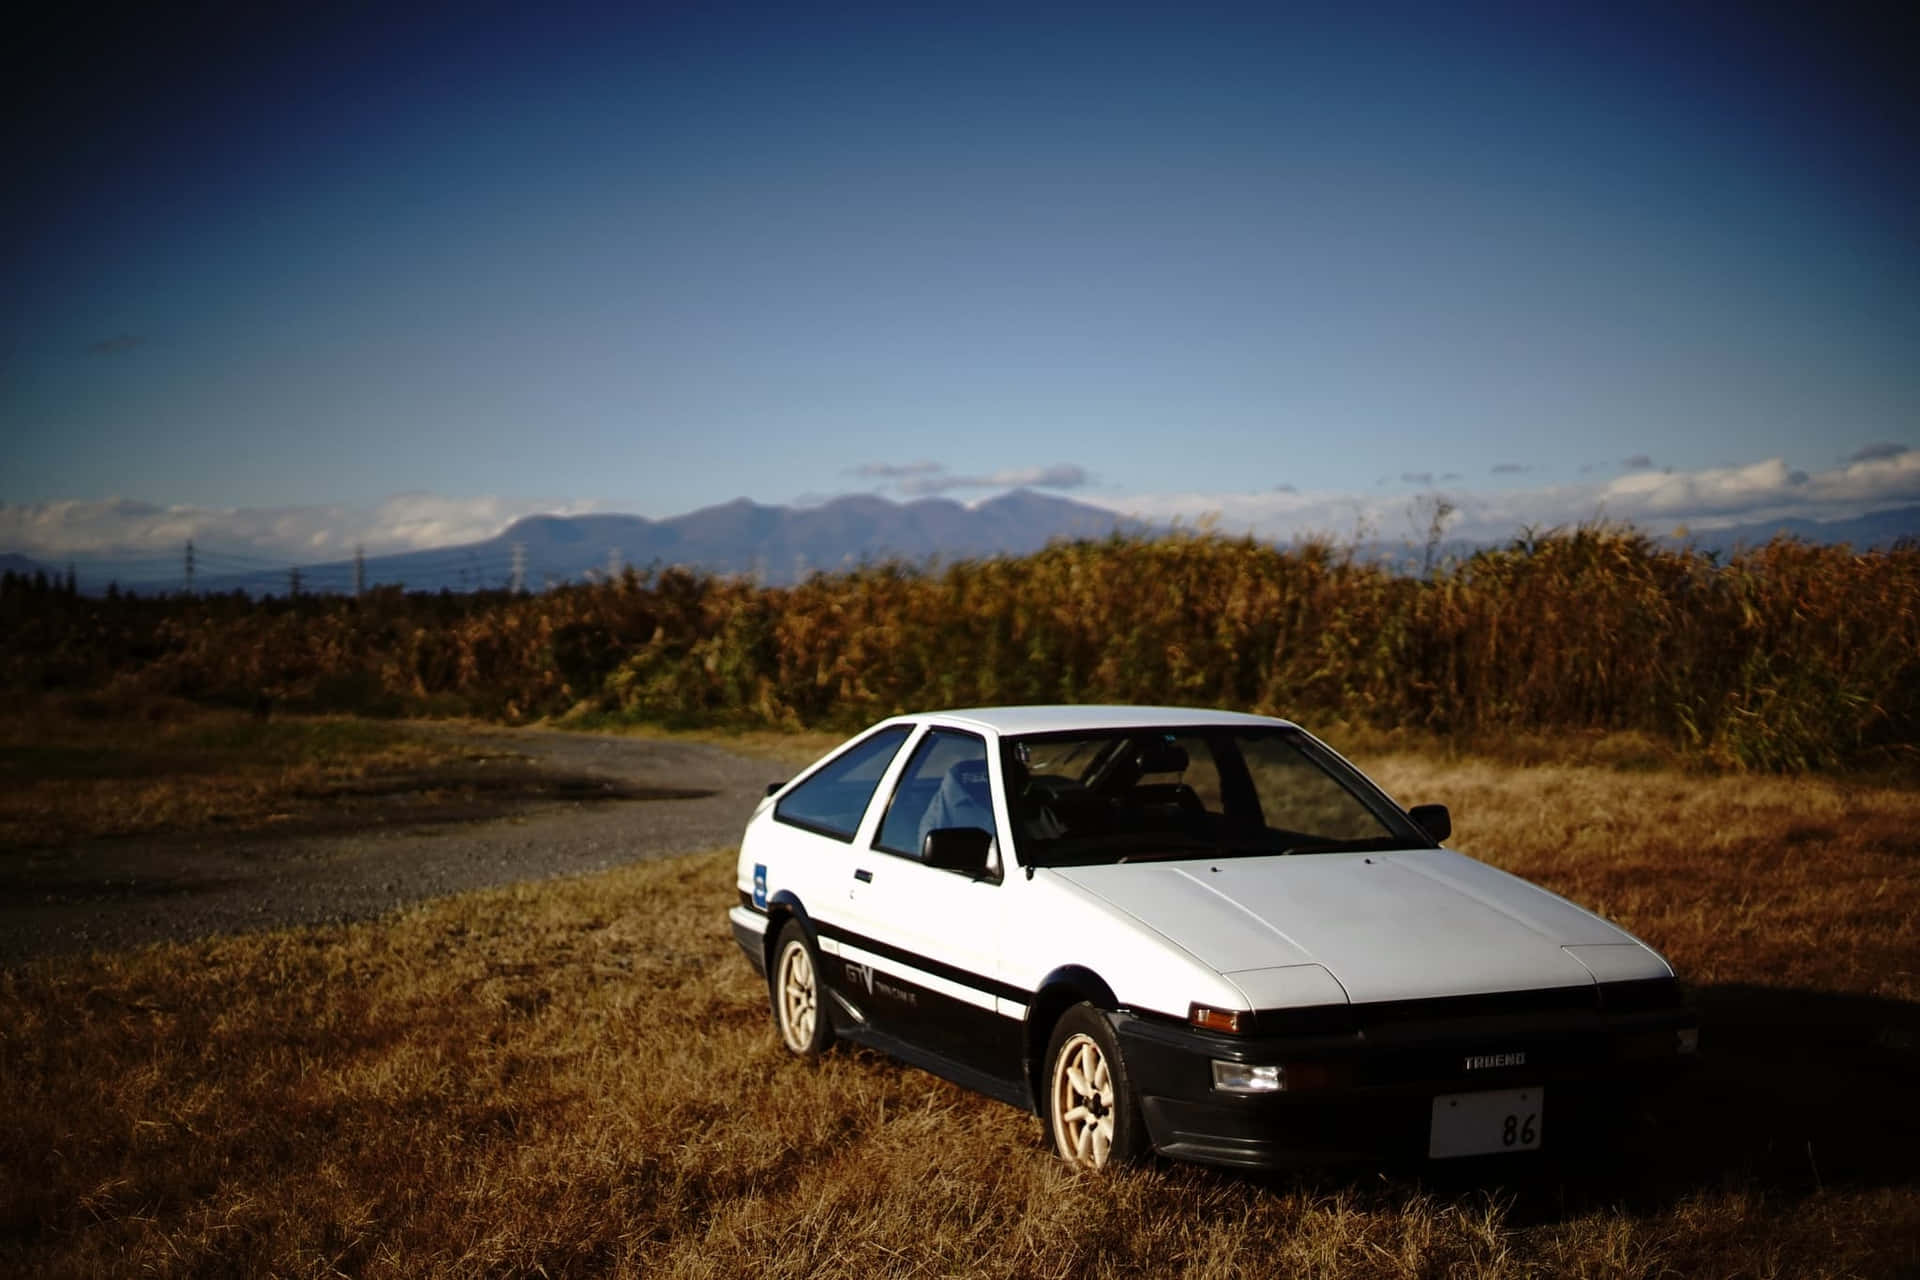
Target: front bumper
[
  {"x": 750, "y": 932},
  {"x": 1371, "y": 1091}
]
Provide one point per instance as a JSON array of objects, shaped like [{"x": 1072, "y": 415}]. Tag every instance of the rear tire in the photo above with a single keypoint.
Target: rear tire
[
  {"x": 798, "y": 994},
  {"x": 1092, "y": 1115}
]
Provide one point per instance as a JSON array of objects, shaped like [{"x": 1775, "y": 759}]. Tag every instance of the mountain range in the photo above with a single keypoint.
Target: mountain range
[{"x": 780, "y": 545}]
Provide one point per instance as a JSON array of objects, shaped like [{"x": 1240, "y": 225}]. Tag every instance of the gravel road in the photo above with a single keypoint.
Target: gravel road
[{"x": 568, "y": 803}]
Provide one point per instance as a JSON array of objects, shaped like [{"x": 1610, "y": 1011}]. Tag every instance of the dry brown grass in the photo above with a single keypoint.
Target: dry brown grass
[
  {"x": 69, "y": 772},
  {"x": 580, "y": 1078}
]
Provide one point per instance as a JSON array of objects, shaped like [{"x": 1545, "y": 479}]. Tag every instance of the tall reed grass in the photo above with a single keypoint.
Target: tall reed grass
[{"x": 1787, "y": 656}]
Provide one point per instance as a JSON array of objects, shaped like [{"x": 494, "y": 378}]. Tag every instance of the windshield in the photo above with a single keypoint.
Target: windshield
[{"x": 1139, "y": 794}]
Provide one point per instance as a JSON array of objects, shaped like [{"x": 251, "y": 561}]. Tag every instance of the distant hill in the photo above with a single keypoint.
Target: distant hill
[
  {"x": 11, "y": 562},
  {"x": 1877, "y": 531},
  {"x": 1881, "y": 530},
  {"x": 778, "y": 544}
]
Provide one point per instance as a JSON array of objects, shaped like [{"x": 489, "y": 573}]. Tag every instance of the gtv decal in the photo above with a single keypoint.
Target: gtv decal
[{"x": 863, "y": 975}]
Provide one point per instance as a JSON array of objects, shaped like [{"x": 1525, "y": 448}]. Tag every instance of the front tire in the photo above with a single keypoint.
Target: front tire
[
  {"x": 1092, "y": 1115},
  {"x": 799, "y": 996}
]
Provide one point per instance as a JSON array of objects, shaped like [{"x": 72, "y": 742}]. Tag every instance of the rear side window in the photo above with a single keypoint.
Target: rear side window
[{"x": 832, "y": 799}]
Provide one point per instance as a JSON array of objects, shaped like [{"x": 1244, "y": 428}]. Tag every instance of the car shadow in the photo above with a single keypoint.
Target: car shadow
[{"x": 1794, "y": 1091}]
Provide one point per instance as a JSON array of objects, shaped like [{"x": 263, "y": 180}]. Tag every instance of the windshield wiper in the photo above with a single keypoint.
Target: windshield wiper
[
  {"x": 1314, "y": 846},
  {"x": 1302, "y": 846},
  {"x": 1171, "y": 853},
  {"x": 1163, "y": 851}
]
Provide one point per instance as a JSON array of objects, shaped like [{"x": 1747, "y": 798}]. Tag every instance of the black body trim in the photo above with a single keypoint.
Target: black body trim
[
  {"x": 949, "y": 1036},
  {"x": 956, "y": 1040},
  {"x": 814, "y": 828},
  {"x": 940, "y": 969},
  {"x": 1011, "y": 1092},
  {"x": 753, "y": 945},
  {"x": 1082, "y": 979},
  {"x": 1379, "y": 1081}
]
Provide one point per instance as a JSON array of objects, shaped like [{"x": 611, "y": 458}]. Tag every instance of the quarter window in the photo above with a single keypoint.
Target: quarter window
[{"x": 834, "y": 797}]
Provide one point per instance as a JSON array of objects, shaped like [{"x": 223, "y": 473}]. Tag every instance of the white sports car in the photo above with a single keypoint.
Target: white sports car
[{"x": 1199, "y": 932}]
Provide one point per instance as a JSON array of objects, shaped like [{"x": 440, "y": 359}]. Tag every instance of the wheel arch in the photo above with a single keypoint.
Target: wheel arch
[
  {"x": 782, "y": 907},
  {"x": 1059, "y": 991}
]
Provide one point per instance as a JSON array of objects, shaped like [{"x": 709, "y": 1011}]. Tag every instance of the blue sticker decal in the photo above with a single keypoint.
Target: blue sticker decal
[{"x": 760, "y": 884}]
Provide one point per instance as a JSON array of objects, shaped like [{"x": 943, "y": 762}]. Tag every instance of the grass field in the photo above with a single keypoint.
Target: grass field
[
  {"x": 75, "y": 768},
  {"x": 580, "y": 1078}
]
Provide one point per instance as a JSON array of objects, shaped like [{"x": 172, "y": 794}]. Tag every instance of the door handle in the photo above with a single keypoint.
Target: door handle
[{"x": 863, "y": 876}]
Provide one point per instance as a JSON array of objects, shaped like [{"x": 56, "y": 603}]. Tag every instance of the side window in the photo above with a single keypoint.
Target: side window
[
  {"x": 834, "y": 798},
  {"x": 944, "y": 785}
]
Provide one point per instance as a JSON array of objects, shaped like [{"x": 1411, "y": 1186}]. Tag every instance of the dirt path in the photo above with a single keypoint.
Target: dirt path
[{"x": 527, "y": 805}]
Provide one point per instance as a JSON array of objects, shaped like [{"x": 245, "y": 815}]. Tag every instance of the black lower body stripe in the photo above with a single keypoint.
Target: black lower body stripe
[{"x": 965, "y": 978}]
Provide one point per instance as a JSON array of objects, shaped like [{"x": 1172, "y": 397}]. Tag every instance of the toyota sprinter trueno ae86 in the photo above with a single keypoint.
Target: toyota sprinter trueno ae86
[{"x": 1194, "y": 932}]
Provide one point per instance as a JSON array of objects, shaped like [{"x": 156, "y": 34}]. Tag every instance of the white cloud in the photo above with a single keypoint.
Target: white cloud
[
  {"x": 1061, "y": 475},
  {"x": 1702, "y": 500},
  {"x": 1881, "y": 480},
  {"x": 1701, "y": 494},
  {"x": 403, "y": 522},
  {"x": 897, "y": 470},
  {"x": 922, "y": 479}
]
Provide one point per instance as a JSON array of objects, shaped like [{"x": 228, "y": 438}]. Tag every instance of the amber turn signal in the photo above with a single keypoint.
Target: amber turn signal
[{"x": 1235, "y": 1022}]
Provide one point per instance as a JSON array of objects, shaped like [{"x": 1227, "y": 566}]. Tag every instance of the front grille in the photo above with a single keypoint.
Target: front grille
[
  {"x": 1447, "y": 1062},
  {"x": 1499, "y": 1004},
  {"x": 1343, "y": 1019},
  {"x": 1319, "y": 1020},
  {"x": 1562, "y": 1031},
  {"x": 1640, "y": 996}
]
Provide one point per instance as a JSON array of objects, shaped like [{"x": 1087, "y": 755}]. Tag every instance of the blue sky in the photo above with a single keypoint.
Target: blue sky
[{"x": 1292, "y": 264}]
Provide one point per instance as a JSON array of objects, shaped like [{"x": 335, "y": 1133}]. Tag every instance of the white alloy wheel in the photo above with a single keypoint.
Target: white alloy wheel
[
  {"x": 1090, "y": 1109},
  {"x": 1083, "y": 1102},
  {"x": 799, "y": 997},
  {"x": 797, "y": 994}
]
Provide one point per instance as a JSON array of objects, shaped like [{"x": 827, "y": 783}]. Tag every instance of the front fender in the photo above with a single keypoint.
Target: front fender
[{"x": 1062, "y": 988}]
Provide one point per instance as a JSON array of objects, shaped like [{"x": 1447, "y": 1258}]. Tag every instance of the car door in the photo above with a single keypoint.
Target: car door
[
  {"x": 815, "y": 823},
  {"x": 923, "y": 944}
]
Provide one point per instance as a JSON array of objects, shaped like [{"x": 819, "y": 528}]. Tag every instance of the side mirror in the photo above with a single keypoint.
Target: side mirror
[
  {"x": 962, "y": 849},
  {"x": 1432, "y": 819},
  {"x": 774, "y": 786}
]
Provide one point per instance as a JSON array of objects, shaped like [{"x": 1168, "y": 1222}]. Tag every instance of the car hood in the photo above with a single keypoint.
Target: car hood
[{"x": 1388, "y": 926}]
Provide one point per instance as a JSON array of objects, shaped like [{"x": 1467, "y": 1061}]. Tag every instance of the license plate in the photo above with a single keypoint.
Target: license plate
[{"x": 1490, "y": 1123}]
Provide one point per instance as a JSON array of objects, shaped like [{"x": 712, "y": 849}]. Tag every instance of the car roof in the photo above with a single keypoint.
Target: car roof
[{"x": 1059, "y": 719}]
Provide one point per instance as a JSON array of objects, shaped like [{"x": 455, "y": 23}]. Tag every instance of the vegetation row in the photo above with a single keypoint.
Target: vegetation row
[{"x": 1786, "y": 656}]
